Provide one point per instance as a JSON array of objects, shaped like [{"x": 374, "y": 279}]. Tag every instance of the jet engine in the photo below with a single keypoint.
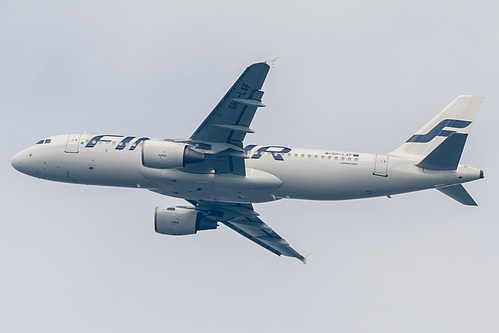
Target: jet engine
[
  {"x": 168, "y": 154},
  {"x": 181, "y": 221}
]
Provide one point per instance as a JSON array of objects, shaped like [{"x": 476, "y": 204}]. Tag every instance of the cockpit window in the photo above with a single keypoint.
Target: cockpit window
[
  {"x": 40, "y": 142},
  {"x": 48, "y": 141}
]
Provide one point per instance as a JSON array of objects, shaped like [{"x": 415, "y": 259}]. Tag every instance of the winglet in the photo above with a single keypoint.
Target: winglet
[
  {"x": 304, "y": 260},
  {"x": 271, "y": 62}
]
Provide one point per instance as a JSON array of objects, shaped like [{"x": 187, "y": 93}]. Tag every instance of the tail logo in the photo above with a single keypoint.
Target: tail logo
[{"x": 438, "y": 130}]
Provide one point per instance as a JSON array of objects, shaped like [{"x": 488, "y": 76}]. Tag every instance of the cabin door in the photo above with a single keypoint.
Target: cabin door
[
  {"x": 73, "y": 143},
  {"x": 381, "y": 165}
]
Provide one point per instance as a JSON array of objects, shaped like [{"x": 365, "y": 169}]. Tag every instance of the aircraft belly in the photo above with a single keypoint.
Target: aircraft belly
[
  {"x": 331, "y": 185},
  {"x": 335, "y": 181},
  {"x": 256, "y": 186}
]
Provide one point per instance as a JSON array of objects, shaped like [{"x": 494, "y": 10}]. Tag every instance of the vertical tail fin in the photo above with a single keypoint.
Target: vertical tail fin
[{"x": 439, "y": 144}]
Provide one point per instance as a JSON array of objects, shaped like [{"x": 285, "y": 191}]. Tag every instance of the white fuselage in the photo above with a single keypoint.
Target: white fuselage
[{"x": 272, "y": 172}]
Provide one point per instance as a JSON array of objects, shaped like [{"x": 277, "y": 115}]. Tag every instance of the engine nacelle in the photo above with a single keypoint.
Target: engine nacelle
[
  {"x": 168, "y": 154},
  {"x": 181, "y": 221}
]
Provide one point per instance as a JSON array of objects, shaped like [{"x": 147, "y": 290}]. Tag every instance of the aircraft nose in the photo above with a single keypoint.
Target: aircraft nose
[
  {"x": 20, "y": 161},
  {"x": 16, "y": 161}
]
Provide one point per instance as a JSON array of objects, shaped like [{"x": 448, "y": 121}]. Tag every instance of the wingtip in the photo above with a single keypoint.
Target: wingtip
[
  {"x": 271, "y": 62},
  {"x": 304, "y": 259}
]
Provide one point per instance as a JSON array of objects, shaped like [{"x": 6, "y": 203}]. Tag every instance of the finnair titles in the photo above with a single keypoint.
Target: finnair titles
[{"x": 220, "y": 178}]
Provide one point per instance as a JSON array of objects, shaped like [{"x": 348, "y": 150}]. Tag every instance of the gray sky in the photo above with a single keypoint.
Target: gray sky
[{"x": 352, "y": 75}]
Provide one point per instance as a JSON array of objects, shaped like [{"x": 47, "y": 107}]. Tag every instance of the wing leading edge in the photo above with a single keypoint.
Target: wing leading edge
[{"x": 243, "y": 219}]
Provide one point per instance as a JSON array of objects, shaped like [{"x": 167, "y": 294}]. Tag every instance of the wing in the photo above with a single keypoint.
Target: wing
[
  {"x": 221, "y": 134},
  {"x": 244, "y": 220}
]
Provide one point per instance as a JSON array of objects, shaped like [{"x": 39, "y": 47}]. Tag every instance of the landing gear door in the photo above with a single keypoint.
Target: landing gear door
[
  {"x": 73, "y": 143},
  {"x": 381, "y": 165}
]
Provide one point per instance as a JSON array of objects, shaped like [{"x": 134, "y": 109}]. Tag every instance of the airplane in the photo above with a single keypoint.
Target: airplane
[{"x": 221, "y": 178}]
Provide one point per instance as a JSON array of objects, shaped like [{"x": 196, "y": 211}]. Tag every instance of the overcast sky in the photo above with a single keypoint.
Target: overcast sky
[{"x": 352, "y": 75}]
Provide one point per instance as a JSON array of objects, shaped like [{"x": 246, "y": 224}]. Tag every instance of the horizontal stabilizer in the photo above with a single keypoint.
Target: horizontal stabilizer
[
  {"x": 458, "y": 193},
  {"x": 447, "y": 155}
]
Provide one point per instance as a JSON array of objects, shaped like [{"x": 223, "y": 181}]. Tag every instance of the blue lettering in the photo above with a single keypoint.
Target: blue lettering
[
  {"x": 248, "y": 148},
  {"x": 137, "y": 142},
  {"x": 98, "y": 138},
  {"x": 276, "y": 154},
  {"x": 124, "y": 142},
  {"x": 121, "y": 145}
]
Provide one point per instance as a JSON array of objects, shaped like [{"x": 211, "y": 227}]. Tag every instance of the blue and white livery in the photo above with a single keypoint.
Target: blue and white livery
[{"x": 221, "y": 178}]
